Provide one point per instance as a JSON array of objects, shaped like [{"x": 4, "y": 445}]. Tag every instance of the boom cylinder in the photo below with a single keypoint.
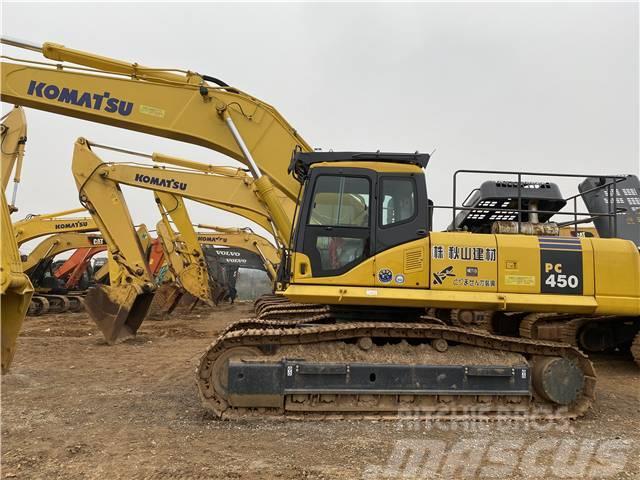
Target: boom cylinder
[{"x": 264, "y": 186}]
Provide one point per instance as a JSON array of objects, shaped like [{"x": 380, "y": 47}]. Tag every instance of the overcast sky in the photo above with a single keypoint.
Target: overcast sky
[{"x": 492, "y": 86}]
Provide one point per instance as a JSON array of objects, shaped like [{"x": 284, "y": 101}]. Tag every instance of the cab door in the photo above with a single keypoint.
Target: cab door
[{"x": 337, "y": 232}]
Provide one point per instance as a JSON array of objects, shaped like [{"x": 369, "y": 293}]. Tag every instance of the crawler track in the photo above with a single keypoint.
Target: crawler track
[
  {"x": 589, "y": 333},
  {"x": 46, "y": 303},
  {"x": 270, "y": 341},
  {"x": 275, "y": 307}
]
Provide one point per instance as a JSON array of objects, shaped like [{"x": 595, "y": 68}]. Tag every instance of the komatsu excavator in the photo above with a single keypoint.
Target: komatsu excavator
[
  {"x": 15, "y": 287},
  {"x": 363, "y": 244},
  {"x": 226, "y": 188}
]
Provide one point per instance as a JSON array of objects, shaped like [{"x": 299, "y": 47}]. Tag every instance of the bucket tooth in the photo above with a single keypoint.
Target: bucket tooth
[{"x": 118, "y": 312}]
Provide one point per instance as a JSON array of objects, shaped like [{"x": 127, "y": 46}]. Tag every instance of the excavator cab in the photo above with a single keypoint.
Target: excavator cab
[{"x": 356, "y": 205}]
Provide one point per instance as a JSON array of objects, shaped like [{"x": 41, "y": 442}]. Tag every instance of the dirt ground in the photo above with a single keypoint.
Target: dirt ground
[{"x": 75, "y": 408}]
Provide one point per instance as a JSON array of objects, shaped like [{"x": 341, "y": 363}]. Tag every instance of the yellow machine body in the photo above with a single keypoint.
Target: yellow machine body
[
  {"x": 586, "y": 275},
  {"x": 512, "y": 282}
]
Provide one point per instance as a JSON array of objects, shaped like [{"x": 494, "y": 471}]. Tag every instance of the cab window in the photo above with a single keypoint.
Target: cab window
[
  {"x": 398, "y": 201},
  {"x": 340, "y": 201}
]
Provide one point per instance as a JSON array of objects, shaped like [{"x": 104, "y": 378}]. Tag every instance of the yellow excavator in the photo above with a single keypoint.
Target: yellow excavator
[
  {"x": 120, "y": 308},
  {"x": 15, "y": 287},
  {"x": 363, "y": 244},
  {"x": 183, "y": 255}
]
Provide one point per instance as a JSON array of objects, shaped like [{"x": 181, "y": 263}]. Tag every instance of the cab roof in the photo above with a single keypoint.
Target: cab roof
[{"x": 301, "y": 162}]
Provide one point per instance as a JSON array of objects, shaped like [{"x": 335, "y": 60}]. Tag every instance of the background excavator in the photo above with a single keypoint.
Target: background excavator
[
  {"x": 183, "y": 254},
  {"x": 245, "y": 239},
  {"x": 187, "y": 107},
  {"x": 99, "y": 183},
  {"x": 363, "y": 243},
  {"x": 228, "y": 250},
  {"x": 50, "y": 296},
  {"x": 35, "y": 225},
  {"x": 77, "y": 272}
]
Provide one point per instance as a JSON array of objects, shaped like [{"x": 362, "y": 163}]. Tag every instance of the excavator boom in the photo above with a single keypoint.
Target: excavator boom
[{"x": 185, "y": 107}]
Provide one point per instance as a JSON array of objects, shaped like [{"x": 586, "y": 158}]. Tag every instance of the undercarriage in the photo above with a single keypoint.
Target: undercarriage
[{"x": 323, "y": 366}]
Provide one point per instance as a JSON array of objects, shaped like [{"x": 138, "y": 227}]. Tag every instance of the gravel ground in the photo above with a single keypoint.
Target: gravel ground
[{"x": 75, "y": 408}]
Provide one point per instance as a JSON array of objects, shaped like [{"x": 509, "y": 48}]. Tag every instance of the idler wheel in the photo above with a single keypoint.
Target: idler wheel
[
  {"x": 220, "y": 369},
  {"x": 558, "y": 380}
]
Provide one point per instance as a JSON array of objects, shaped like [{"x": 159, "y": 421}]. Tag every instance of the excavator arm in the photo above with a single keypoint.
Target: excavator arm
[
  {"x": 15, "y": 288},
  {"x": 182, "y": 250},
  {"x": 119, "y": 308}
]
